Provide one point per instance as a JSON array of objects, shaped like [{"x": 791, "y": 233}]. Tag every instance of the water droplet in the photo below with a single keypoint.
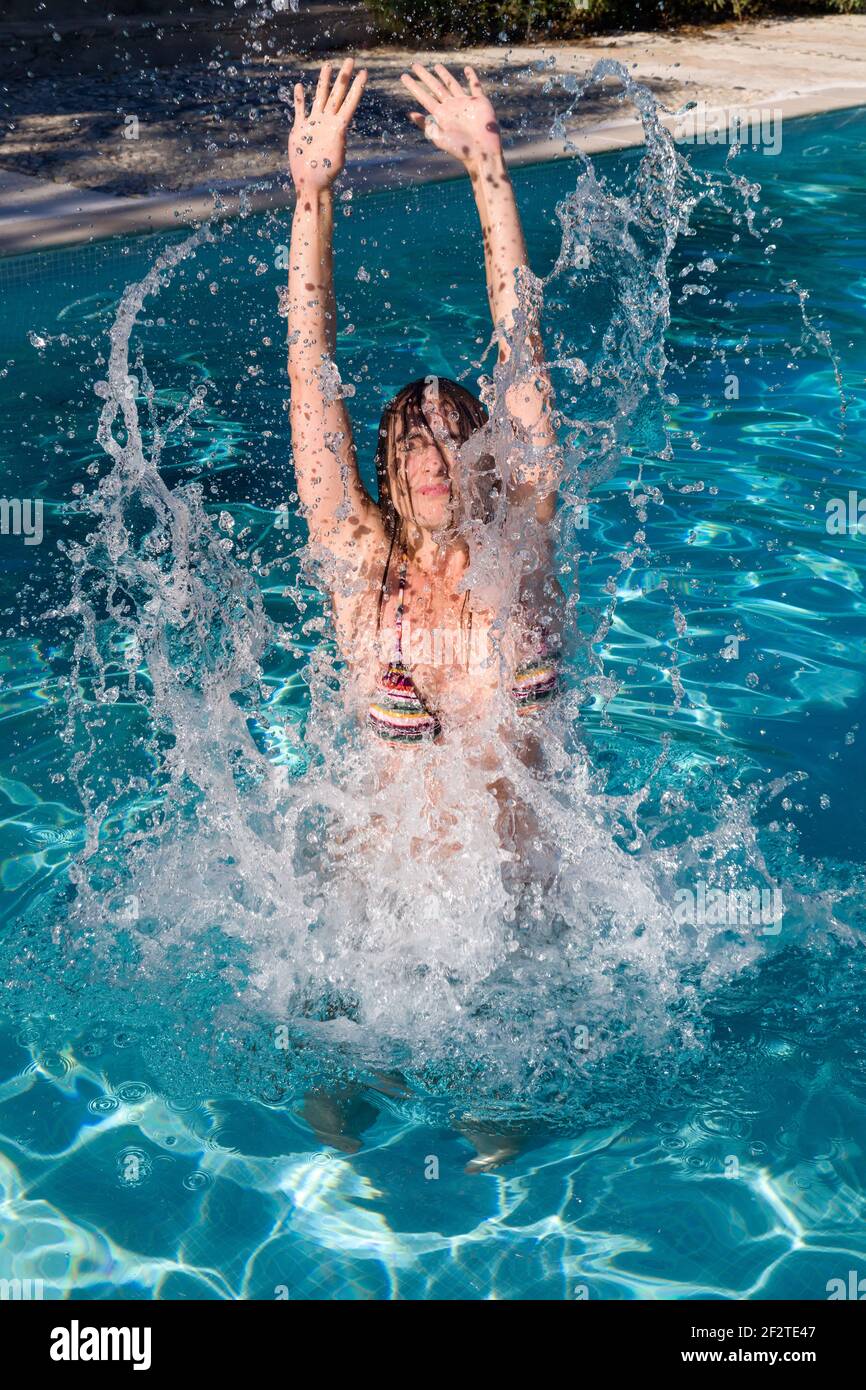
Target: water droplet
[
  {"x": 197, "y": 1181},
  {"x": 104, "y": 1105}
]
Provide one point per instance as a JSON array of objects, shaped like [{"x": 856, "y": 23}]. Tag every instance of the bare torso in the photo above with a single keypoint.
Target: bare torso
[{"x": 451, "y": 645}]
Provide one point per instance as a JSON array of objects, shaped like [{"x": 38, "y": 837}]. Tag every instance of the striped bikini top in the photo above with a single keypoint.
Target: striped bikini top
[{"x": 397, "y": 712}]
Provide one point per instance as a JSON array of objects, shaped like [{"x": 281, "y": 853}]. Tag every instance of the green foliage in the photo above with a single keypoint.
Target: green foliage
[{"x": 485, "y": 21}]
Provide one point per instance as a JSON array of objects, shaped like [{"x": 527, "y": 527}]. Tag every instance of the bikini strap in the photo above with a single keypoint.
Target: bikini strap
[{"x": 398, "y": 626}]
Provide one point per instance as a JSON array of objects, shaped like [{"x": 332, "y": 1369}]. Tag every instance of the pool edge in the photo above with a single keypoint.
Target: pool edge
[{"x": 78, "y": 216}]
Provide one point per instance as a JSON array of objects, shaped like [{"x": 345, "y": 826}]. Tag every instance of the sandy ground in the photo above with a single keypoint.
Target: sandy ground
[{"x": 69, "y": 171}]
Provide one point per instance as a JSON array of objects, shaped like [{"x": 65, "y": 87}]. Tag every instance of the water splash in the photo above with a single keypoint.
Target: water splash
[{"x": 508, "y": 943}]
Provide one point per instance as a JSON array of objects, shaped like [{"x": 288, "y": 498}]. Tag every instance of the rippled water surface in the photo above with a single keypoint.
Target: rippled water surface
[{"x": 709, "y": 1139}]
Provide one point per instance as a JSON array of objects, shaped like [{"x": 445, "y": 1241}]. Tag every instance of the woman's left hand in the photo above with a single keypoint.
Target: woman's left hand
[{"x": 460, "y": 122}]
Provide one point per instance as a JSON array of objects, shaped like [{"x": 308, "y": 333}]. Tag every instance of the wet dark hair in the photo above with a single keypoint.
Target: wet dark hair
[{"x": 407, "y": 410}]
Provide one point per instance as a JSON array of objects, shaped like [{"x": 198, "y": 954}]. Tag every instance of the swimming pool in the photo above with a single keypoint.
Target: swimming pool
[{"x": 150, "y": 1138}]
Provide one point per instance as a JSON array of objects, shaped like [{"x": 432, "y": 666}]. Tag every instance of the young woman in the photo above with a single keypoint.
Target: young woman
[
  {"x": 431, "y": 633},
  {"x": 442, "y": 594}
]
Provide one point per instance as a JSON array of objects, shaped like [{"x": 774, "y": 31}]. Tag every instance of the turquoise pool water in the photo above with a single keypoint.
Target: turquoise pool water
[{"x": 151, "y": 1143}]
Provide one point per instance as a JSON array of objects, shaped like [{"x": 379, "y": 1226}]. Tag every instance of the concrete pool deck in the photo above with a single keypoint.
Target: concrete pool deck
[{"x": 792, "y": 67}]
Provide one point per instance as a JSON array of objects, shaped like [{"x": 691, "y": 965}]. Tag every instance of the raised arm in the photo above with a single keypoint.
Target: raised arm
[
  {"x": 462, "y": 122},
  {"x": 338, "y": 508}
]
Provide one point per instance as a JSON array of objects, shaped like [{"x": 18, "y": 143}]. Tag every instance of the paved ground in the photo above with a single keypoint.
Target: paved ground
[{"x": 68, "y": 170}]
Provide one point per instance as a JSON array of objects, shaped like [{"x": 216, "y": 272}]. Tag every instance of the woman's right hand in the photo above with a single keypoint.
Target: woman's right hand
[{"x": 317, "y": 143}]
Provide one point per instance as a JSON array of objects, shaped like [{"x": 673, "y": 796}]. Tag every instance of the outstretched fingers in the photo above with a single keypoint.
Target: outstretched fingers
[
  {"x": 439, "y": 90},
  {"x": 422, "y": 95},
  {"x": 340, "y": 87},
  {"x": 342, "y": 97},
  {"x": 450, "y": 82},
  {"x": 356, "y": 91}
]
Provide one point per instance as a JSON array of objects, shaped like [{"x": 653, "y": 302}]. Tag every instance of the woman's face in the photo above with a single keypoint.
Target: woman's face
[{"x": 425, "y": 488}]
